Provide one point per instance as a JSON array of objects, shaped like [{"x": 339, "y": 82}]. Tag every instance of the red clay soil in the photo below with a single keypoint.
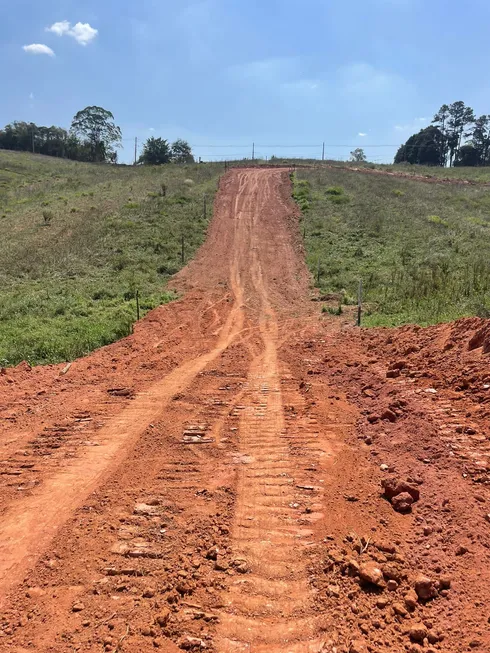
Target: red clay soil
[{"x": 243, "y": 474}]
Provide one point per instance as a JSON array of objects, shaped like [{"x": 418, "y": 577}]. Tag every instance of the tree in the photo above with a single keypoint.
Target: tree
[
  {"x": 480, "y": 139},
  {"x": 460, "y": 116},
  {"x": 440, "y": 120},
  {"x": 424, "y": 148},
  {"x": 358, "y": 155},
  {"x": 181, "y": 152},
  {"x": 155, "y": 152},
  {"x": 96, "y": 125},
  {"x": 467, "y": 155}
]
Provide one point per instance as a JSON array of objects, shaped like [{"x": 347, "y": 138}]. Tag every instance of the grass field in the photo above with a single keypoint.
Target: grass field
[
  {"x": 78, "y": 241},
  {"x": 422, "y": 250},
  {"x": 480, "y": 175}
]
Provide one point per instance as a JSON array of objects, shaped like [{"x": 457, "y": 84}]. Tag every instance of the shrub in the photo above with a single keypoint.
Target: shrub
[
  {"x": 47, "y": 217},
  {"x": 334, "y": 190},
  {"x": 435, "y": 219}
]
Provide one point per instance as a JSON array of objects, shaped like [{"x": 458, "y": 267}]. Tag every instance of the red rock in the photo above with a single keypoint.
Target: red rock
[
  {"x": 389, "y": 415},
  {"x": 393, "y": 486},
  {"x": 433, "y": 637},
  {"x": 371, "y": 573},
  {"x": 392, "y": 572},
  {"x": 162, "y": 618},
  {"x": 400, "y": 610},
  {"x": 411, "y": 599},
  {"x": 402, "y": 502},
  {"x": 445, "y": 582},
  {"x": 221, "y": 565},
  {"x": 212, "y": 553},
  {"x": 425, "y": 587},
  {"x": 417, "y": 632}
]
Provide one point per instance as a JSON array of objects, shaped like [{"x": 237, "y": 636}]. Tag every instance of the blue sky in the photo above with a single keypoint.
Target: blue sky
[{"x": 230, "y": 72}]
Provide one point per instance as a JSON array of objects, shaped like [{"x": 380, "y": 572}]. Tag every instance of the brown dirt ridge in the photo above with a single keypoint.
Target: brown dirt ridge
[{"x": 243, "y": 474}]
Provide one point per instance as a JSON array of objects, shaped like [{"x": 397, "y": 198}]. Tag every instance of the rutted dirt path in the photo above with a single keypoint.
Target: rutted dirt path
[{"x": 213, "y": 482}]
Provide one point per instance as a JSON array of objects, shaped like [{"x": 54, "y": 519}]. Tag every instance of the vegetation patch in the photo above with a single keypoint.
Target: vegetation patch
[
  {"x": 415, "y": 265},
  {"x": 436, "y": 219},
  {"x": 69, "y": 273}
]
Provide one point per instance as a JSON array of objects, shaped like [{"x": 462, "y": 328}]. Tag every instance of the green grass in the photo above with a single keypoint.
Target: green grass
[
  {"x": 480, "y": 175},
  {"x": 79, "y": 239},
  {"x": 422, "y": 250}
]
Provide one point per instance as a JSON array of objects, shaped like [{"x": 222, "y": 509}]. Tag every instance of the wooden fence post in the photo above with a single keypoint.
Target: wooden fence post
[{"x": 359, "y": 304}]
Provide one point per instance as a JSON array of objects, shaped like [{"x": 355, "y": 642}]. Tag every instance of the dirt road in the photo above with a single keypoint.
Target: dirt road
[{"x": 213, "y": 482}]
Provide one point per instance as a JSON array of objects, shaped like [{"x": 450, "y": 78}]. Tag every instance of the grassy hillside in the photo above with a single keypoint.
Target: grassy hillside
[
  {"x": 79, "y": 239},
  {"x": 479, "y": 175},
  {"x": 422, "y": 250}
]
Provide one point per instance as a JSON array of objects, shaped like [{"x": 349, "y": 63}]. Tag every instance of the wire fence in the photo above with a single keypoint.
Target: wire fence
[{"x": 252, "y": 151}]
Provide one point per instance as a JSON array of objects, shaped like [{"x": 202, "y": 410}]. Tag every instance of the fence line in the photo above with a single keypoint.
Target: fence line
[{"x": 254, "y": 151}]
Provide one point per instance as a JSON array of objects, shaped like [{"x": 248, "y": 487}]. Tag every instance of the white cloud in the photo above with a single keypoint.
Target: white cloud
[
  {"x": 31, "y": 96},
  {"x": 59, "y": 28},
  {"x": 38, "y": 48},
  {"x": 362, "y": 134},
  {"x": 151, "y": 129},
  {"x": 83, "y": 33}
]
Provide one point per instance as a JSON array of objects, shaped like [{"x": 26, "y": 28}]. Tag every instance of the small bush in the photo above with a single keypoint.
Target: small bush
[
  {"x": 435, "y": 219},
  {"x": 334, "y": 190},
  {"x": 398, "y": 193},
  {"x": 47, "y": 217}
]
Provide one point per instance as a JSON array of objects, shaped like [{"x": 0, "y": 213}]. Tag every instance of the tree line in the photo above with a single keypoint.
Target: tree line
[
  {"x": 456, "y": 137},
  {"x": 93, "y": 137}
]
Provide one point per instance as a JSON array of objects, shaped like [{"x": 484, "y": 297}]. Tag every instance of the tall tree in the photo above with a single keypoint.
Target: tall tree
[
  {"x": 182, "y": 152},
  {"x": 460, "y": 117},
  {"x": 156, "y": 151},
  {"x": 440, "y": 120},
  {"x": 96, "y": 125},
  {"x": 480, "y": 139}
]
